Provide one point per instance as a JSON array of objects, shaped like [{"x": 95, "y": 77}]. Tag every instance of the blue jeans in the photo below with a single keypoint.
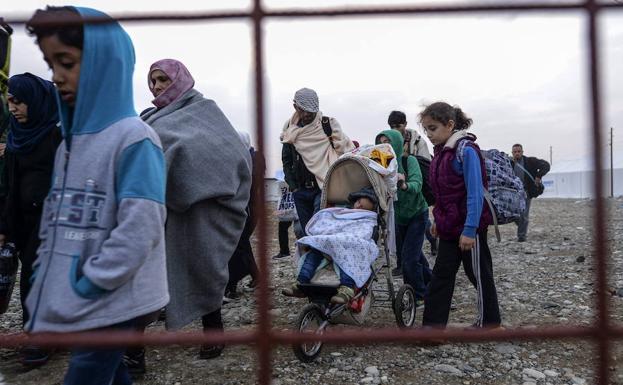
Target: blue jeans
[
  {"x": 409, "y": 240},
  {"x": 313, "y": 259},
  {"x": 307, "y": 202},
  {"x": 94, "y": 366}
]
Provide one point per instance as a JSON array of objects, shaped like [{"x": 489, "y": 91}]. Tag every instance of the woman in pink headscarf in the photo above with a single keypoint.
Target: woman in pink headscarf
[{"x": 208, "y": 185}]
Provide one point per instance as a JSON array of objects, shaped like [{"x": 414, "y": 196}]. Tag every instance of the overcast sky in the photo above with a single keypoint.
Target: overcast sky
[{"x": 521, "y": 77}]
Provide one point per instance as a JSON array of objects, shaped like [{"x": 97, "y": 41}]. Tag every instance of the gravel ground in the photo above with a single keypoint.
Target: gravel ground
[{"x": 545, "y": 281}]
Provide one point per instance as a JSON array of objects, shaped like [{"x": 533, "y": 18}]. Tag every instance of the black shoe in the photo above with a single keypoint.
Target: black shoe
[
  {"x": 33, "y": 356},
  {"x": 135, "y": 362},
  {"x": 521, "y": 239},
  {"x": 397, "y": 272},
  {"x": 210, "y": 351},
  {"x": 281, "y": 255}
]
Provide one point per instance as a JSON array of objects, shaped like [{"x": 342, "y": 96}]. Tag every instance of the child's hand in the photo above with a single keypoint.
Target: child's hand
[
  {"x": 466, "y": 243},
  {"x": 433, "y": 230}
]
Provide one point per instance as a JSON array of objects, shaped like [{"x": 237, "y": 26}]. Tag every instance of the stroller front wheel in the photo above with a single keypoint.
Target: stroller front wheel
[
  {"x": 310, "y": 321},
  {"x": 404, "y": 307}
]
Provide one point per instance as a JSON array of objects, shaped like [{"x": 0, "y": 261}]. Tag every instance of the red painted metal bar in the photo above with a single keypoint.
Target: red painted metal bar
[
  {"x": 600, "y": 216},
  {"x": 355, "y": 336},
  {"x": 264, "y": 342},
  {"x": 601, "y": 331},
  {"x": 344, "y": 11}
]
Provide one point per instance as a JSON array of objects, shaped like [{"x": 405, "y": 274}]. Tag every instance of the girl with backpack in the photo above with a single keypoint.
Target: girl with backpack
[{"x": 458, "y": 180}]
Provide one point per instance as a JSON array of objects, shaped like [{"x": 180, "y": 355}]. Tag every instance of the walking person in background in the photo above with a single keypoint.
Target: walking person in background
[
  {"x": 242, "y": 262},
  {"x": 283, "y": 229},
  {"x": 311, "y": 143},
  {"x": 458, "y": 179},
  {"x": 101, "y": 262},
  {"x": 33, "y": 138},
  {"x": 411, "y": 213},
  {"x": 208, "y": 189},
  {"x": 530, "y": 170},
  {"x": 415, "y": 145}
]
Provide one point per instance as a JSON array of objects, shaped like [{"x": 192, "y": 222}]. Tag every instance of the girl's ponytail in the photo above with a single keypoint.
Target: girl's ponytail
[{"x": 461, "y": 121}]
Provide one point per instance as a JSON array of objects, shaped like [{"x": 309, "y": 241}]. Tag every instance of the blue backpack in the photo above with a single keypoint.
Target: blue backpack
[{"x": 505, "y": 196}]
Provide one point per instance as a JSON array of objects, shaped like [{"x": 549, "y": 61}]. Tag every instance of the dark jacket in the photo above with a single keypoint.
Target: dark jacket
[
  {"x": 28, "y": 179},
  {"x": 450, "y": 191},
  {"x": 537, "y": 169},
  {"x": 296, "y": 173}
]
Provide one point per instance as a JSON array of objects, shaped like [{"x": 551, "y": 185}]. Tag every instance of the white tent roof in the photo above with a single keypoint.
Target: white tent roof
[{"x": 585, "y": 164}]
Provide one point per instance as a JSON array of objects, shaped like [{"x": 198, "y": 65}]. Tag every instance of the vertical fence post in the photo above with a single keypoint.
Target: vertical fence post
[
  {"x": 602, "y": 324},
  {"x": 263, "y": 331}
]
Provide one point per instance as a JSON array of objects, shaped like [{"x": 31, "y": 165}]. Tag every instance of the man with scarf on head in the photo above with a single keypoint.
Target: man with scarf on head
[
  {"x": 311, "y": 143},
  {"x": 208, "y": 188},
  {"x": 33, "y": 138}
]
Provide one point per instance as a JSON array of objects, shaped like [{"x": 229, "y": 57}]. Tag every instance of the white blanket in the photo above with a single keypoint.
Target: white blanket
[{"x": 345, "y": 235}]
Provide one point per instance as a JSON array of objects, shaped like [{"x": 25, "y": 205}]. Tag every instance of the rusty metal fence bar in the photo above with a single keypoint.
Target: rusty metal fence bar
[{"x": 601, "y": 331}]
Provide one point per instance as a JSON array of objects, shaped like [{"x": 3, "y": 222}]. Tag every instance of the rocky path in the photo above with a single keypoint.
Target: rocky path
[{"x": 545, "y": 281}]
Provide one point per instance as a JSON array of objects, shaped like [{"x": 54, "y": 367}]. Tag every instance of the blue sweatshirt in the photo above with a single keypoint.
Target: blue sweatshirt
[{"x": 102, "y": 255}]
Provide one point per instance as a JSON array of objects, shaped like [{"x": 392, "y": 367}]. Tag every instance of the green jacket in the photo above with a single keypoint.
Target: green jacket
[{"x": 410, "y": 201}]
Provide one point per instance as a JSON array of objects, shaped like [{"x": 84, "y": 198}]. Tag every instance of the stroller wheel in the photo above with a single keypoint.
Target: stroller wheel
[
  {"x": 310, "y": 321},
  {"x": 404, "y": 307}
]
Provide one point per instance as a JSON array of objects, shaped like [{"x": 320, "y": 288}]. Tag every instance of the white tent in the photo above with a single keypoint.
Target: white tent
[{"x": 574, "y": 178}]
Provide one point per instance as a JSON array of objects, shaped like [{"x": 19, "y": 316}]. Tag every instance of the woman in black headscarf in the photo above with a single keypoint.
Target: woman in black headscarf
[{"x": 31, "y": 145}]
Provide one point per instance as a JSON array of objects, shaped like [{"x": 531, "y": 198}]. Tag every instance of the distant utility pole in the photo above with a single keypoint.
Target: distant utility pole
[
  {"x": 550, "y": 155},
  {"x": 611, "y": 164}
]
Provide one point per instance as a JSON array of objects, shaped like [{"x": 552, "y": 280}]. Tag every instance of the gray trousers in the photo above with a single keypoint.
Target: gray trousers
[{"x": 522, "y": 222}]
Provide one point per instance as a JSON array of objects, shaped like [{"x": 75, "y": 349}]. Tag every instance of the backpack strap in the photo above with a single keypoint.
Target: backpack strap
[
  {"x": 328, "y": 131},
  {"x": 489, "y": 200}
]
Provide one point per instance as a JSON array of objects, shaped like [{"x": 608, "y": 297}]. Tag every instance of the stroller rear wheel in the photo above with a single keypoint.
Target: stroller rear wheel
[
  {"x": 404, "y": 307},
  {"x": 310, "y": 321}
]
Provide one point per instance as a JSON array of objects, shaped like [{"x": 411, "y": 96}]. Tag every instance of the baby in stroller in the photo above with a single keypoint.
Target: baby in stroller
[{"x": 345, "y": 237}]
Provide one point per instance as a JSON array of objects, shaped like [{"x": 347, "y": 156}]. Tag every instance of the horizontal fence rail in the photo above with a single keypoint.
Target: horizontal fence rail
[{"x": 264, "y": 337}]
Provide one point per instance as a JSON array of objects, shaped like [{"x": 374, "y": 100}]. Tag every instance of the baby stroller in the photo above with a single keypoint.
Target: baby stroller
[{"x": 348, "y": 174}]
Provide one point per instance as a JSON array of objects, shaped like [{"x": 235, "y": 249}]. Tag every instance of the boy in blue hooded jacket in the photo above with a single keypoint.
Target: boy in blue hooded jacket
[{"x": 101, "y": 263}]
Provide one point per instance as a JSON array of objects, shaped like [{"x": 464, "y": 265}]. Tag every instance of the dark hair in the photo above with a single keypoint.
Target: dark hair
[
  {"x": 444, "y": 113},
  {"x": 517, "y": 145},
  {"x": 49, "y": 22},
  {"x": 397, "y": 117}
]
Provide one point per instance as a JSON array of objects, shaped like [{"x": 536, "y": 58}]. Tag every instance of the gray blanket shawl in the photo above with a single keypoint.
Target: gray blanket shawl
[{"x": 208, "y": 185}]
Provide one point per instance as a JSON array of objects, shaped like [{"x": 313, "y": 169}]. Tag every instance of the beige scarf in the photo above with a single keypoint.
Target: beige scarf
[{"x": 314, "y": 146}]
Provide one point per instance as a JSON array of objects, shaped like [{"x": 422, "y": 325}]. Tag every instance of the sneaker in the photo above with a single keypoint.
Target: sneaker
[
  {"x": 521, "y": 239},
  {"x": 419, "y": 303},
  {"x": 344, "y": 295},
  {"x": 397, "y": 272},
  {"x": 281, "y": 255},
  {"x": 33, "y": 356},
  {"x": 208, "y": 352},
  {"x": 475, "y": 326},
  {"x": 293, "y": 291},
  {"x": 135, "y": 362}
]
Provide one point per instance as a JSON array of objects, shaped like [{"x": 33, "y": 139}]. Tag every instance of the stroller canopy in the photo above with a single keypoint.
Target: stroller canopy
[{"x": 349, "y": 174}]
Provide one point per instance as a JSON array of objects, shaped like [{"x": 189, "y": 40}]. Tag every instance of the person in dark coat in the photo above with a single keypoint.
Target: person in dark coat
[
  {"x": 530, "y": 170},
  {"x": 31, "y": 145},
  {"x": 242, "y": 262}
]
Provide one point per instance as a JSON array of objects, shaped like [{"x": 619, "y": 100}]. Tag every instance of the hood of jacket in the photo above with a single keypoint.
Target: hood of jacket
[
  {"x": 396, "y": 140},
  {"x": 105, "y": 91}
]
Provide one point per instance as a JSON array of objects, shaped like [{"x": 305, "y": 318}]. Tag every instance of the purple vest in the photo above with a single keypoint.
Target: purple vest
[{"x": 450, "y": 211}]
